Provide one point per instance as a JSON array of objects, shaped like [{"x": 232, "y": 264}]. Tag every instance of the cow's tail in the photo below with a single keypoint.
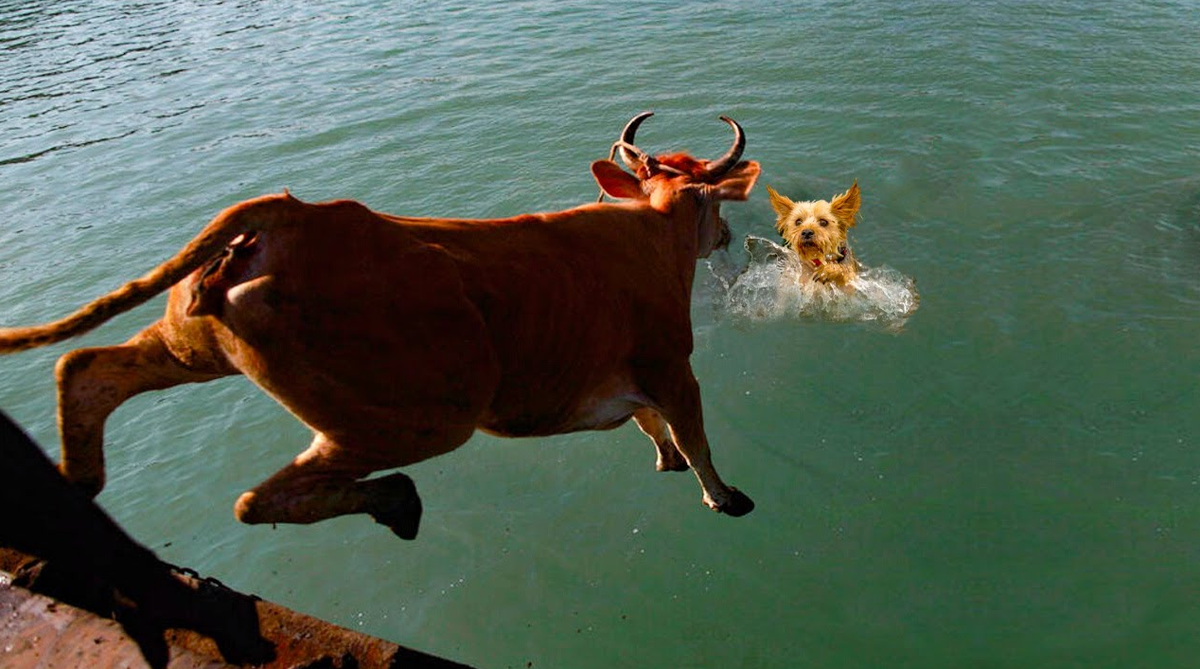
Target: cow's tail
[{"x": 254, "y": 215}]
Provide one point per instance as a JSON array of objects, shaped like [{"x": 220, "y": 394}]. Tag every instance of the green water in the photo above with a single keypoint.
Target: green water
[{"x": 1011, "y": 479}]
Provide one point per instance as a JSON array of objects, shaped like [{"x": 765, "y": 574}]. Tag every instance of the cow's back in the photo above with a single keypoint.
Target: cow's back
[
  {"x": 526, "y": 326},
  {"x": 575, "y": 303},
  {"x": 348, "y": 320}
]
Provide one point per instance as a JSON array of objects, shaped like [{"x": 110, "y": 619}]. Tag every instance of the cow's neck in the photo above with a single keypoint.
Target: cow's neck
[{"x": 686, "y": 223}]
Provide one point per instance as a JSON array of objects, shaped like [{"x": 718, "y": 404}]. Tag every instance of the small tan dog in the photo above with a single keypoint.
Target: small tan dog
[{"x": 816, "y": 231}]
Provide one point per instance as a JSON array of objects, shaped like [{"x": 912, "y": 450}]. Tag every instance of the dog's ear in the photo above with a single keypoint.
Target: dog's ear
[
  {"x": 845, "y": 206},
  {"x": 783, "y": 206}
]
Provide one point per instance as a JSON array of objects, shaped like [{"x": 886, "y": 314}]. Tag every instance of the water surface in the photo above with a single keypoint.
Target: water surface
[{"x": 1011, "y": 479}]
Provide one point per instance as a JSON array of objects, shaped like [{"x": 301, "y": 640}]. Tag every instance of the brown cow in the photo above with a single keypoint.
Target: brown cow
[{"x": 395, "y": 338}]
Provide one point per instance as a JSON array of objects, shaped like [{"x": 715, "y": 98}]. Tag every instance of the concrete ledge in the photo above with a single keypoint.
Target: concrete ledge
[
  {"x": 37, "y": 631},
  {"x": 42, "y": 631},
  {"x": 83, "y": 593}
]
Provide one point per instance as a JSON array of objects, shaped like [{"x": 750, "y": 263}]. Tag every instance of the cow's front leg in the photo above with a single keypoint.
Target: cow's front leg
[
  {"x": 652, "y": 424},
  {"x": 324, "y": 482},
  {"x": 678, "y": 396}
]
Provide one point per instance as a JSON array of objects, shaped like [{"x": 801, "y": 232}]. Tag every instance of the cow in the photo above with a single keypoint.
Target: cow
[{"x": 396, "y": 338}]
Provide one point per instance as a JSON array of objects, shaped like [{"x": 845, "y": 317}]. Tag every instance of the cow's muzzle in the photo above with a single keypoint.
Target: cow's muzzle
[{"x": 723, "y": 235}]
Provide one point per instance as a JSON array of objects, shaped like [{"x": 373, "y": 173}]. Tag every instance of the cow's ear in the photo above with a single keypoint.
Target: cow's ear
[
  {"x": 737, "y": 182},
  {"x": 616, "y": 182}
]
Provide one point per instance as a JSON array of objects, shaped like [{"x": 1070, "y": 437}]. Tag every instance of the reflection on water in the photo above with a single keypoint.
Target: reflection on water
[{"x": 773, "y": 287}]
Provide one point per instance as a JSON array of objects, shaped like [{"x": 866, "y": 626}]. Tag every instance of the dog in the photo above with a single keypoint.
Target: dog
[{"x": 817, "y": 231}]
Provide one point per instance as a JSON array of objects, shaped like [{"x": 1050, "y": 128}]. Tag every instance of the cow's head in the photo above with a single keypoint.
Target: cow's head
[{"x": 680, "y": 185}]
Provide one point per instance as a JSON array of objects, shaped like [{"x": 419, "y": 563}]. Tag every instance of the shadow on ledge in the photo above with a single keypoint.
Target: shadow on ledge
[{"x": 57, "y": 542}]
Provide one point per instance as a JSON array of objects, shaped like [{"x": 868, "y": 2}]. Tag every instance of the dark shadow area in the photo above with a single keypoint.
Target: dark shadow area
[
  {"x": 58, "y": 543},
  {"x": 87, "y": 561}
]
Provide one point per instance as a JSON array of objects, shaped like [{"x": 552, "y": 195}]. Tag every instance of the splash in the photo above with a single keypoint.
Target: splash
[{"x": 772, "y": 287}]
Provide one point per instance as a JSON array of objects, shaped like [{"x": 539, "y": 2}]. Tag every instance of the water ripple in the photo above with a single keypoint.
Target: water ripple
[
  {"x": 772, "y": 287},
  {"x": 63, "y": 147}
]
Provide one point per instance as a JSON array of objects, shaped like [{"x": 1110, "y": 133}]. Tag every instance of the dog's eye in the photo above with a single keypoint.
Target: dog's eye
[{"x": 824, "y": 223}]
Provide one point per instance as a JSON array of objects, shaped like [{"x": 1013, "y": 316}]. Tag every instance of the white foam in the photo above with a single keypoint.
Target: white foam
[{"x": 772, "y": 287}]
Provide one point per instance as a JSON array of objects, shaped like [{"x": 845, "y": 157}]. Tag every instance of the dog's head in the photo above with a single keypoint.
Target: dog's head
[{"x": 816, "y": 229}]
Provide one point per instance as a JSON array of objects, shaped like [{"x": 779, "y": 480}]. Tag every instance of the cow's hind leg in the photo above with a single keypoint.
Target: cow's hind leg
[
  {"x": 93, "y": 382},
  {"x": 325, "y": 481},
  {"x": 654, "y": 426}
]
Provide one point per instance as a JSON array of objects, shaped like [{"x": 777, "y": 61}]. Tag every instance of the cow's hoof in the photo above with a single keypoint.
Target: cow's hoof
[
  {"x": 397, "y": 505},
  {"x": 403, "y": 518},
  {"x": 679, "y": 465},
  {"x": 90, "y": 485},
  {"x": 738, "y": 504}
]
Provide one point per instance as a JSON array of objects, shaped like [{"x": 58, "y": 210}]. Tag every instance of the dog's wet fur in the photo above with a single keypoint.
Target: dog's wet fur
[{"x": 817, "y": 231}]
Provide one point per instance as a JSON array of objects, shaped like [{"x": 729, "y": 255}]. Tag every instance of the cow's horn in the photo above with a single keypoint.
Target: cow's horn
[
  {"x": 731, "y": 157},
  {"x": 632, "y": 160}
]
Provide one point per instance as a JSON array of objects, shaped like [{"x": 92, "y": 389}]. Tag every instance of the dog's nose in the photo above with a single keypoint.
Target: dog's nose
[{"x": 806, "y": 234}]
